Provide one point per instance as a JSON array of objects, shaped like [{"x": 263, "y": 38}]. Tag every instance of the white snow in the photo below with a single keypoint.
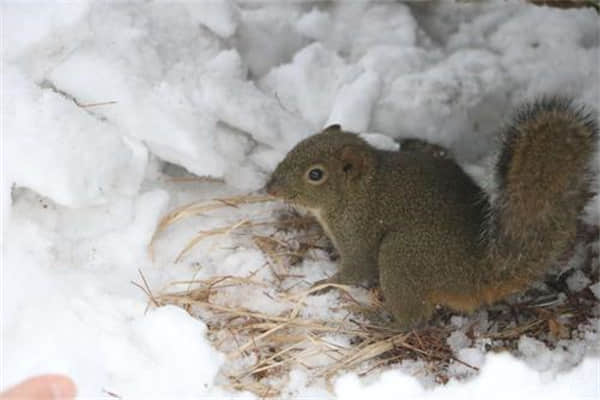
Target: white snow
[
  {"x": 354, "y": 101},
  {"x": 309, "y": 84},
  {"x": 578, "y": 281},
  {"x": 97, "y": 98},
  {"x": 500, "y": 377},
  {"x": 595, "y": 288},
  {"x": 541, "y": 358},
  {"x": 380, "y": 141},
  {"x": 470, "y": 358},
  {"x": 314, "y": 24},
  {"x": 220, "y": 16},
  {"x": 51, "y": 136},
  {"x": 458, "y": 341}
]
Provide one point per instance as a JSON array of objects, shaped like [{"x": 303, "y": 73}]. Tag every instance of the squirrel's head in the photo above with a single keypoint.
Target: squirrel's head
[{"x": 322, "y": 169}]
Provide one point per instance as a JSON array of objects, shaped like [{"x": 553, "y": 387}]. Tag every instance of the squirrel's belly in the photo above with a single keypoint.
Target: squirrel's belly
[{"x": 467, "y": 302}]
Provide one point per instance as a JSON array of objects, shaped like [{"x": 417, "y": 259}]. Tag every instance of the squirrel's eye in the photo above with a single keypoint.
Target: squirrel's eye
[{"x": 315, "y": 174}]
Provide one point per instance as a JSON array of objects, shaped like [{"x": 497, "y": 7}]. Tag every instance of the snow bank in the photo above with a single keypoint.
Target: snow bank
[
  {"x": 48, "y": 135},
  {"x": 173, "y": 77},
  {"x": 69, "y": 306},
  {"x": 501, "y": 376},
  {"x": 27, "y": 24},
  {"x": 150, "y": 76}
]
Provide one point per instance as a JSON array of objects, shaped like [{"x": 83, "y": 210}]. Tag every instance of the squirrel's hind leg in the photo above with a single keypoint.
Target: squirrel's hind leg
[
  {"x": 409, "y": 313},
  {"x": 404, "y": 295},
  {"x": 409, "y": 309}
]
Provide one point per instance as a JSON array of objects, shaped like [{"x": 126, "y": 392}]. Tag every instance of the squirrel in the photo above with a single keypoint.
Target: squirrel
[{"x": 419, "y": 226}]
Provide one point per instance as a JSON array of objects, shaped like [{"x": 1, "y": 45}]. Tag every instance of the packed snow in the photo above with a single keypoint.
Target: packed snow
[{"x": 108, "y": 108}]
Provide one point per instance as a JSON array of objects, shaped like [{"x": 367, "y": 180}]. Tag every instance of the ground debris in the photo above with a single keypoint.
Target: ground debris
[{"x": 263, "y": 348}]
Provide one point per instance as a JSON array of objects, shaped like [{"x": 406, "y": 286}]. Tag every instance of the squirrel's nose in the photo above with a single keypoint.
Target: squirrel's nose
[{"x": 271, "y": 187}]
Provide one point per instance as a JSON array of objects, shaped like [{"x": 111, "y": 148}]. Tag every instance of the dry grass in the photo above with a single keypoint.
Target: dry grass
[{"x": 262, "y": 348}]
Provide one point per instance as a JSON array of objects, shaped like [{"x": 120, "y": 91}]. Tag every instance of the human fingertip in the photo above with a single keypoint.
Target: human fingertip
[{"x": 62, "y": 387}]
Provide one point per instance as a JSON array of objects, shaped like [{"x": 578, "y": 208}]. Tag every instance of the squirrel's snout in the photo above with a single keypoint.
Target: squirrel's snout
[{"x": 273, "y": 188}]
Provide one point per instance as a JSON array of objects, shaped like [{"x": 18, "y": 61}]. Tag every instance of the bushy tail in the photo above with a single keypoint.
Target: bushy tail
[{"x": 544, "y": 176}]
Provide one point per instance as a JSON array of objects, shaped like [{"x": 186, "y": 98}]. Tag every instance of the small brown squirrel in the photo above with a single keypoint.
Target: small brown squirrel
[{"x": 420, "y": 225}]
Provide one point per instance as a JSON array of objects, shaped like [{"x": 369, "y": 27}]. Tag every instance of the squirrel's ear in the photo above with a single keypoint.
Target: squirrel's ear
[
  {"x": 332, "y": 128},
  {"x": 355, "y": 161}
]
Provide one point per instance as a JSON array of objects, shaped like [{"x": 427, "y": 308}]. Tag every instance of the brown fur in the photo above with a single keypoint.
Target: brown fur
[{"x": 426, "y": 231}]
